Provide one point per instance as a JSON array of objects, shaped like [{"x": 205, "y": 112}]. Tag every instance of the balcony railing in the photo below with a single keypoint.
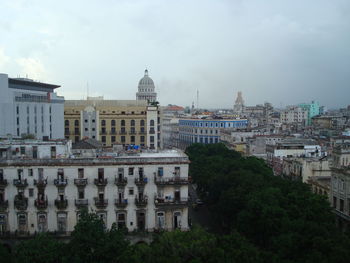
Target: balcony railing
[
  {"x": 122, "y": 132},
  {"x": 81, "y": 203},
  {"x": 161, "y": 201},
  {"x": 101, "y": 181},
  {"x": 20, "y": 183},
  {"x": 21, "y": 203},
  {"x": 142, "y": 132},
  {"x": 60, "y": 182},
  {"x": 101, "y": 203},
  {"x": 80, "y": 181},
  {"x": 40, "y": 182},
  {"x": 141, "y": 181},
  {"x": 121, "y": 203},
  {"x": 41, "y": 203},
  {"x": 170, "y": 180},
  {"x": 132, "y": 132},
  {"x": 4, "y": 204},
  {"x": 3, "y": 182},
  {"x": 61, "y": 204},
  {"x": 141, "y": 202},
  {"x": 121, "y": 181}
]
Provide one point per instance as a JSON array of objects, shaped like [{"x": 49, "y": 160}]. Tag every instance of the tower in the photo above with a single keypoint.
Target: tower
[
  {"x": 146, "y": 89},
  {"x": 239, "y": 103}
]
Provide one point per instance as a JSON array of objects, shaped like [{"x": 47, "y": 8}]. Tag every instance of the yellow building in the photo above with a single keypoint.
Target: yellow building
[{"x": 126, "y": 122}]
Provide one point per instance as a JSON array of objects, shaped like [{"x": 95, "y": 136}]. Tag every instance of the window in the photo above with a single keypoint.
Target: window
[
  {"x": 341, "y": 205},
  {"x": 142, "y": 138},
  {"x": 121, "y": 220},
  {"x": 123, "y": 139},
  {"x": 131, "y": 191},
  {"x": 132, "y": 139},
  {"x": 122, "y": 123},
  {"x": 160, "y": 220},
  {"x": 152, "y": 138},
  {"x": 23, "y": 150},
  {"x": 80, "y": 172},
  {"x": 112, "y": 122},
  {"x": 30, "y": 172},
  {"x": 22, "y": 222},
  {"x": 103, "y": 139},
  {"x": 103, "y": 123},
  {"x": 160, "y": 171},
  {"x": 113, "y": 138},
  {"x": 62, "y": 222},
  {"x": 131, "y": 171},
  {"x": 132, "y": 123},
  {"x": 42, "y": 222},
  {"x": 31, "y": 192},
  {"x": 66, "y": 122},
  {"x": 151, "y": 123},
  {"x": 142, "y": 122},
  {"x": 81, "y": 194}
]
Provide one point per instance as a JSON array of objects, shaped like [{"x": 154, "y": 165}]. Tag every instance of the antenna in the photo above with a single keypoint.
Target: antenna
[{"x": 197, "y": 99}]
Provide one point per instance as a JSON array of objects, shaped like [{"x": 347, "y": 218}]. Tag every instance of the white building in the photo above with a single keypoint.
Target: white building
[
  {"x": 143, "y": 191},
  {"x": 294, "y": 115},
  {"x": 146, "y": 89},
  {"x": 30, "y": 107}
]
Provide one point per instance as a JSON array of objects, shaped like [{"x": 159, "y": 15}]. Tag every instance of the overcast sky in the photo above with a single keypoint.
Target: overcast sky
[{"x": 280, "y": 51}]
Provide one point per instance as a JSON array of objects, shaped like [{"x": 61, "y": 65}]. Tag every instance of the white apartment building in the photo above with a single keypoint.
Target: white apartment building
[
  {"x": 145, "y": 191},
  {"x": 294, "y": 115},
  {"x": 30, "y": 107}
]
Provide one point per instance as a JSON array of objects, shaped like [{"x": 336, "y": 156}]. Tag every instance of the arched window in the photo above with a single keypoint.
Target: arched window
[
  {"x": 103, "y": 123},
  {"x": 151, "y": 123},
  {"x": 142, "y": 122},
  {"x": 122, "y": 123},
  {"x": 113, "y": 122},
  {"x": 66, "y": 122},
  {"x": 76, "y": 123},
  {"x": 132, "y": 123}
]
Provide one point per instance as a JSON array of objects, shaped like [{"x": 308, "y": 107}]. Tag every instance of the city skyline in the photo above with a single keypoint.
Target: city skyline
[{"x": 284, "y": 53}]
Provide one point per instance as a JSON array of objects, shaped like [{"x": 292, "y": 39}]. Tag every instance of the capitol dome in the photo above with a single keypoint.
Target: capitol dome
[
  {"x": 146, "y": 80},
  {"x": 146, "y": 89}
]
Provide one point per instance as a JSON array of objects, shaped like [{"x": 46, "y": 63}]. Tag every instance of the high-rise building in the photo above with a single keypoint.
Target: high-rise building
[
  {"x": 239, "y": 104},
  {"x": 146, "y": 89},
  {"x": 313, "y": 109},
  {"x": 30, "y": 107}
]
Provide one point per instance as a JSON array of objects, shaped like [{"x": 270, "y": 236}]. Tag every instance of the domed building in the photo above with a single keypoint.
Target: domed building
[{"x": 146, "y": 89}]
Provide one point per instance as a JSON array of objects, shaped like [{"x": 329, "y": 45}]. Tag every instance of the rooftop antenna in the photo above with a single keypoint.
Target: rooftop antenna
[{"x": 197, "y": 99}]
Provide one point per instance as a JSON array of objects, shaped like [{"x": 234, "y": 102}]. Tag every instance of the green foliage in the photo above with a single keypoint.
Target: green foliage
[
  {"x": 41, "y": 249},
  {"x": 282, "y": 218}
]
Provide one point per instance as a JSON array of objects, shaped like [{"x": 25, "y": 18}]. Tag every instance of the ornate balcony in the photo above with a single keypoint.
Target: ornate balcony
[
  {"x": 80, "y": 181},
  {"x": 61, "y": 204},
  {"x": 170, "y": 202},
  {"x": 21, "y": 203},
  {"x": 121, "y": 182},
  {"x": 20, "y": 183},
  {"x": 121, "y": 203},
  {"x": 170, "y": 180},
  {"x": 41, "y": 204},
  {"x": 101, "y": 203},
  {"x": 141, "y": 181},
  {"x": 141, "y": 202},
  {"x": 3, "y": 182},
  {"x": 100, "y": 181},
  {"x": 40, "y": 182},
  {"x": 80, "y": 203},
  {"x": 4, "y": 204},
  {"x": 60, "y": 182}
]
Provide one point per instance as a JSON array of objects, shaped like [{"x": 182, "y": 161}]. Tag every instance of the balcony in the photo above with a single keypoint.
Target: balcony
[
  {"x": 121, "y": 182},
  {"x": 113, "y": 132},
  {"x": 80, "y": 182},
  {"x": 142, "y": 132},
  {"x": 170, "y": 202},
  {"x": 151, "y": 131},
  {"x": 21, "y": 203},
  {"x": 4, "y": 204},
  {"x": 101, "y": 203},
  {"x": 40, "y": 182},
  {"x": 41, "y": 203},
  {"x": 60, "y": 182},
  {"x": 80, "y": 203},
  {"x": 3, "y": 182},
  {"x": 121, "y": 203},
  {"x": 141, "y": 202},
  {"x": 61, "y": 204},
  {"x": 132, "y": 132},
  {"x": 141, "y": 181},
  {"x": 20, "y": 183},
  {"x": 100, "y": 181},
  {"x": 170, "y": 180},
  {"x": 122, "y": 132}
]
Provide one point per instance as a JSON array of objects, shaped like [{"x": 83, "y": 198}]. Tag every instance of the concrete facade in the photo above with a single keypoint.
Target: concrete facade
[{"x": 29, "y": 107}]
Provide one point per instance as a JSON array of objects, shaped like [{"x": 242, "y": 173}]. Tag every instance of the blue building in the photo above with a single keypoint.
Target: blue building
[{"x": 205, "y": 131}]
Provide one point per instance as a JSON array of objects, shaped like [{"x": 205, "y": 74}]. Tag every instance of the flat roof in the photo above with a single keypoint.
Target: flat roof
[{"x": 31, "y": 83}]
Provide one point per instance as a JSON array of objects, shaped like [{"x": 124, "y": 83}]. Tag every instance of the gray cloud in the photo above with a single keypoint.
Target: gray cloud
[{"x": 279, "y": 51}]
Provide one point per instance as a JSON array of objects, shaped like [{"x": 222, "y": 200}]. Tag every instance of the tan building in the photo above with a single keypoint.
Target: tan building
[{"x": 125, "y": 122}]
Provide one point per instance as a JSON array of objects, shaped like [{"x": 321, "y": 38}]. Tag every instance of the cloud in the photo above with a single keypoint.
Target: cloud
[{"x": 31, "y": 67}]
